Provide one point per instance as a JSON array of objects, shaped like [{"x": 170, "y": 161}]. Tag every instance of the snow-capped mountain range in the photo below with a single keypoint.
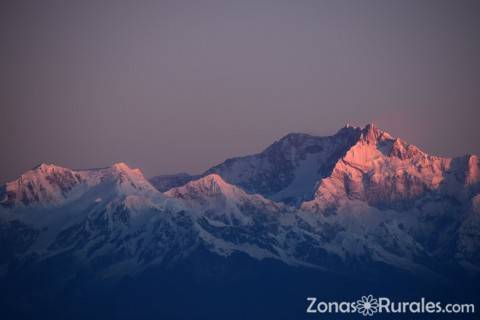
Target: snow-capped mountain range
[{"x": 353, "y": 200}]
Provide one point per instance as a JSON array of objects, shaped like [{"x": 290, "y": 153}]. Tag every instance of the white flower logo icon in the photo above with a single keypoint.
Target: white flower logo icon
[{"x": 367, "y": 305}]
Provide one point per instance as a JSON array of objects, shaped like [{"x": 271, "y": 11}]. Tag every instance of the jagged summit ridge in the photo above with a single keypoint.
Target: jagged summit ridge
[
  {"x": 292, "y": 169},
  {"x": 288, "y": 170},
  {"x": 386, "y": 172},
  {"x": 372, "y": 134},
  {"x": 295, "y": 169},
  {"x": 358, "y": 196},
  {"x": 46, "y": 167},
  {"x": 49, "y": 184},
  {"x": 43, "y": 184}
]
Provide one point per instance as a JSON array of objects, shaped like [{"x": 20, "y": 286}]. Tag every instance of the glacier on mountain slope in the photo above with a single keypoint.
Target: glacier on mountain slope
[{"x": 371, "y": 198}]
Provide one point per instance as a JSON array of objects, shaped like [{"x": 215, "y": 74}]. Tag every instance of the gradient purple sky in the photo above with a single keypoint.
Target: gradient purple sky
[{"x": 173, "y": 86}]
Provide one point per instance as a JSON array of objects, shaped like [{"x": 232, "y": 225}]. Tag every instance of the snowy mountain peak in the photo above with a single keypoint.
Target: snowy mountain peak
[
  {"x": 382, "y": 171},
  {"x": 209, "y": 185},
  {"x": 213, "y": 198},
  {"x": 130, "y": 181},
  {"x": 46, "y": 167},
  {"x": 372, "y": 134},
  {"x": 121, "y": 166},
  {"x": 49, "y": 184},
  {"x": 373, "y": 141},
  {"x": 123, "y": 169},
  {"x": 44, "y": 184},
  {"x": 213, "y": 179},
  {"x": 288, "y": 170}
]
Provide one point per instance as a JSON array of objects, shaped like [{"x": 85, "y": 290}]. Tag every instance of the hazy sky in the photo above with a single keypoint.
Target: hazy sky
[{"x": 173, "y": 86}]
